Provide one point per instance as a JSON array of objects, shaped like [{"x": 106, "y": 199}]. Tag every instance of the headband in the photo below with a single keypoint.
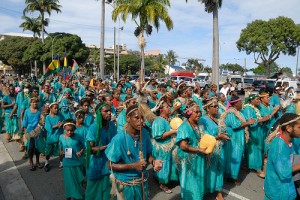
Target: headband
[
  {"x": 211, "y": 101},
  {"x": 129, "y": 100},
  {"x": 229, "y": 104},
  {"x": 33, "y": 98},
  {"x": 264, "y": 95},
  {"x": 78, "y": 111},
  {"x": 51, "y": 104},
  {"x": 69, "y": 123},
  {"x": 132, "y": 111},
  {"x": 192, "y": 106}
]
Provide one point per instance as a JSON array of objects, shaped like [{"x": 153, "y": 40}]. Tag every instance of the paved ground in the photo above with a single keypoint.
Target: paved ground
[{"x": 49, "y": 186}]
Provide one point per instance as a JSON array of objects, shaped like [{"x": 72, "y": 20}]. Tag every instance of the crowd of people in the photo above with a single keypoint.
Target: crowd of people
[{"x": 106, "y": 133}]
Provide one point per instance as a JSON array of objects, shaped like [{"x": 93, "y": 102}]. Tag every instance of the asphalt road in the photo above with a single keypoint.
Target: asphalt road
[{"x": 49, "y": 186}]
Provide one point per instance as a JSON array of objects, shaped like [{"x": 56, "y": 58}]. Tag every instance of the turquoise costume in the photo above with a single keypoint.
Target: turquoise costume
[
  {"x": 266, "y": 127},
  {"x": 234, "y": 149},
  {"x": 275, "y": 101},
  {"x": 214, "y": 172},
  {"x": 48, "y": 98},
  {"x": 291, "y": 108},
  {"x": 279, "y": 183},
  {"x": 121, "y": 120},
  {"x": 64, "y": 105},
  {"x": 73, "y": 169},
  {"x": 255, "y": 146},
  {"x": 192, "y": 165},
  {"x": 53, "y": 134},
  {"x": 124, "y": 149},
  {"x": 221, "y": 108},
  {"x": 30, "y": 122},
  {"x": 97, "y": 170},
  {"x": 89, "y": 119},
  {"x": 11, "y": 124},
  {"x": 151, "y": 103},
  {"x": 82, "y": 130},
  {"x": 162, "y": 150}
]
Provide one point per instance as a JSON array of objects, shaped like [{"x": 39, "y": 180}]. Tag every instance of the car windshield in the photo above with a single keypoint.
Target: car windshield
[
  {"x": 248, "y": 80},
  {"x": 238, "y": 80}
]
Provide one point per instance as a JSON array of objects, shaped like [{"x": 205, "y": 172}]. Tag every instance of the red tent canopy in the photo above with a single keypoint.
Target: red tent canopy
[{"x": 188, "y": 74}]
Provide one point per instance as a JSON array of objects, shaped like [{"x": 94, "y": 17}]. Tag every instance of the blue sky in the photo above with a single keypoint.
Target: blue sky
[{"x": 190, "y": 38}]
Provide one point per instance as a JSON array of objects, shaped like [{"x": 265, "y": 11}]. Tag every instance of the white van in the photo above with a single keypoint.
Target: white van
[
  {"x": 288, "y": 82},
  {"x": 239, "y": 80}
]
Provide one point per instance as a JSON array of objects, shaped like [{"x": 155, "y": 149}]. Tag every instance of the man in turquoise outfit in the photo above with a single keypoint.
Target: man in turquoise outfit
[
  {"x": 129, "y": 153},
  {"x": 98, "y": 137},
  {"x": 279, "y": 182}
]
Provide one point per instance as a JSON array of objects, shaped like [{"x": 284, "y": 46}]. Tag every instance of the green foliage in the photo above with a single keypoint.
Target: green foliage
[
  {"x": 73, "y": 45},
  {"x": 268, "y": 39},
  {"x": 149, "y": 13},
  {"x": 191, "y": 64},
  {"x": 11, "y": 52},
  {"x": 274, "y": 68},
  {"x": 211, "y": 4},
  {"x": 32, "y": 24},
  {"x": 233, "y": 67}
]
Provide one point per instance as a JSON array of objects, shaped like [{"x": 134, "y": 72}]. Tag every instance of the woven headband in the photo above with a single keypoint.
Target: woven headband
[
  {"x": 132, "y": 111},
  {"x": 69, "y": 123},
  {"x": 51, "y": 104}
]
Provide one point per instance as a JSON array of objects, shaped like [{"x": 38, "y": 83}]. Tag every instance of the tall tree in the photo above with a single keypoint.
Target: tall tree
[
  {"x": 43, "y": 7},
  {"x": 145, "y": 13},
  {"x": 33, "y": 24},
  {"x": 233, "y": 68},
  {"x": 212, "y": 6},
  {"x": 268, "y": 39},
  {"x": 171, "y": 58}
]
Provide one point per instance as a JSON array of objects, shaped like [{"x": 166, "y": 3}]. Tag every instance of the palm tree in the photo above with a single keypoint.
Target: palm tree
[
  {"x": 149, "y": 13},
  {"x": 172, "y": 59},
  {"x": 32, "y": 24},
  {"x": 212, "y": 6},
  {"x": 42, "y": 6}
]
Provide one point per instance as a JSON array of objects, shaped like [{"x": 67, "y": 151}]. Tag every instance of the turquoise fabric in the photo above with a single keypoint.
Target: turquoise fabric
[
  {"x": 279, "y": 183},
  {"x": 192, "y": 166},
  {"x": 134, "y": 192},
  {"x": 76, "y": 142},
  {"x": 98, "y": 189},
  {"x": 215, "y": 169},
  {"x": 275, "y": 101},
  {"x": 82, "y": 130},
  {"x": 89, "y": 119},
  {"x": 162, "y": 150},
  {"x": 266, "y": 127},
  {"x": 65, "y": 109},
  {"x": 19, "y": 100},
  {"x": 291, "y": 109},
  {"x": 8, "y": 100},
  {"x": 255, "y": 147},
  {"x": 234, "y": 149},
  {"x": 124, "y": 149},
  {"x": 73, "y": 178},
  {"x": 98, "y": 163},
  {"x": 53, "y": 133},
  {"x": 121, "y": 120},
  {"x": 48, "y": 98},
  {"x": 151, "y": 103}
]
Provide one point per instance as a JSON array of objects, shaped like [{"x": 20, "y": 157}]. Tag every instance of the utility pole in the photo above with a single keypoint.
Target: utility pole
[
  {"x": 297, "y": 62},
  {"x": 102, "y": 27}
]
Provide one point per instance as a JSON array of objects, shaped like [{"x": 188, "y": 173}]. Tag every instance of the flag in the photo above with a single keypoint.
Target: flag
[
  {"x": 65, "y": 65},
  {"x": 65, "y": 59},
  {"x": 54, "y": 67},
  {"x": 74, "y": 67}
]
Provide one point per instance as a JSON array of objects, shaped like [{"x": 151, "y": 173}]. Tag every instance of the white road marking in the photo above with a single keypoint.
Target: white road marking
[{"x": 234, "y": 195}]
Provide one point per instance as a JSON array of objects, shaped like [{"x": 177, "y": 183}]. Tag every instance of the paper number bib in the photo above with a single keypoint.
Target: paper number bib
[{"x": 68, "y": 152}]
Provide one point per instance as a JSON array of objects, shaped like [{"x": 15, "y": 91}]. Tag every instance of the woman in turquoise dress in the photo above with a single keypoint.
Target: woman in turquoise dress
[
  {"x": 255, "y": 147},
  {"x": 11, "y": 121},
  {"x": 279, "y": 182},
  {"x": 53, "y": 126},
  {"x": 128, "y": 159},
  {"x": 275, "y": 101},
  {"x": 35, "y": 145},
  {"x": 190, "y": 156},
  {"x": 163, "y": 145},
  {"x": 71, "y": 149},
  {"x": 215, "y": 167},
  {"x": 99, "y": 136},
  {"x": 235, "y": 125}
]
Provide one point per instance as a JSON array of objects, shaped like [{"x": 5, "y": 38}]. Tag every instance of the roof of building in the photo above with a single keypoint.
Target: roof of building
[{"x": 152, "y": 52}]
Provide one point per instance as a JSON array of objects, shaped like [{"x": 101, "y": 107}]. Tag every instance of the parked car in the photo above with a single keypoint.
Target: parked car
[
  {"x": 266, "y": 85},
  {"x": 287, "y": 82}
]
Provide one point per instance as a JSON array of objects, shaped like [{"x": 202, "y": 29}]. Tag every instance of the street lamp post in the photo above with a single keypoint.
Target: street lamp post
[{"x": 53, "y": 42}]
